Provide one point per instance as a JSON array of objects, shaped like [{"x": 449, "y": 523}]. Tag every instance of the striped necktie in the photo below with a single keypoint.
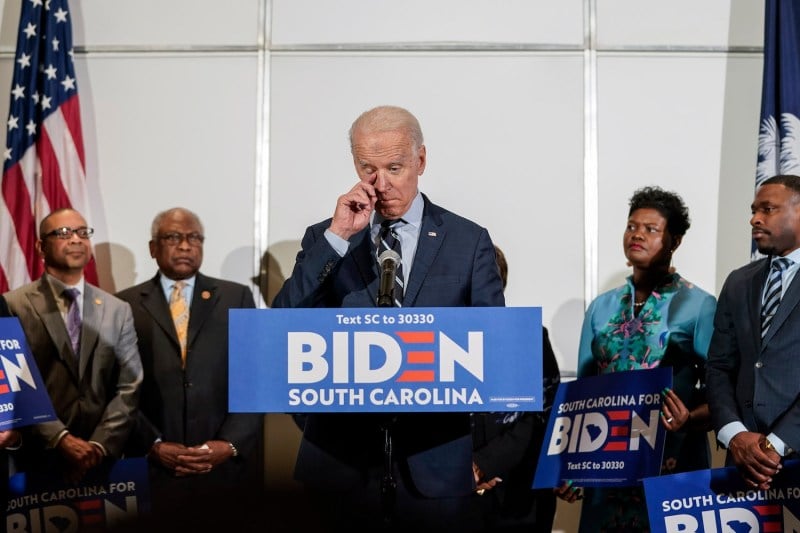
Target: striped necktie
[
  {"x": 180, "y": 316},
  {"x": 772, "y": 294},
  {"x": 390, "y": 241}
]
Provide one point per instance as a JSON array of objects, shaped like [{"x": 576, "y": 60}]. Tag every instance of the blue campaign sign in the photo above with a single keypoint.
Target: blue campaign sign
[
  {"x": 385, "y": 359},
  {"x": 23, "y": 396},
  {"x": 718, "y": 500},
  {"x": 605, "y": 430},
  {"x": 110, "y": 495}
]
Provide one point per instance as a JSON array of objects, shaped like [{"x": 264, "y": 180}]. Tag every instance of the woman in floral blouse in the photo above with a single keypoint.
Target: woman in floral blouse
[{"x": 657, "y": 318}]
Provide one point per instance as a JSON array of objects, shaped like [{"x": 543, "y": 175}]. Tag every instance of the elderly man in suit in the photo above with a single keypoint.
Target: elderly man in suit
[
  {"x": 752, "y": 373},
  {"x": 200, "y": 453},
  {"x": 447, "y": 261},
  {"x": 84, "y": 344}
]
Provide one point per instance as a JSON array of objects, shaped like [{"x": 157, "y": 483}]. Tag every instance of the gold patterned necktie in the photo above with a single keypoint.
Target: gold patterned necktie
[{"x": 180, "y": 316}]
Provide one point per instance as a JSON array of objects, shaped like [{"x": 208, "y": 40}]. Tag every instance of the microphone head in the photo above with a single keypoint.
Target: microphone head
[{"x": 389, "y": 255}]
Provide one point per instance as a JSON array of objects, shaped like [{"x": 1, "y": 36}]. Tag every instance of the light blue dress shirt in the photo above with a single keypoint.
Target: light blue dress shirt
[{"x": 188, "y": 288}]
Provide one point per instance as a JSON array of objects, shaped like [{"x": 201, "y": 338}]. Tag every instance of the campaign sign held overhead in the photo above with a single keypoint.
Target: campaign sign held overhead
[
  {"x": 23, "y": 396},
  {"x": 604, "y": 431},
  {"x": 386, "y": 359}
]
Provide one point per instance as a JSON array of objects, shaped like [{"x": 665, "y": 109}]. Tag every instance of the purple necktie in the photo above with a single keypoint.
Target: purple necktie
[{"x": 73, "y": 319}]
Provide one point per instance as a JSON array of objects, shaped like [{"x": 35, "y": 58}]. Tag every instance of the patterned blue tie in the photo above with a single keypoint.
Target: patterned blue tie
[
  {"x": 73, "y": 319},
  {"x": 772, "y": 295},
  {"x": 390, "y": 241}
]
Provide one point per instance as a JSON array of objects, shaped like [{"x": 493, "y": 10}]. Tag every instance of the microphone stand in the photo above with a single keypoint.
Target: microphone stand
[{"x": 388, "y": 483}]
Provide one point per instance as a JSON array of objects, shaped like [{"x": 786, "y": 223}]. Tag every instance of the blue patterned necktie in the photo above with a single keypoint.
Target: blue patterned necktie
[
  {"x": 73, "y": 319},
  {"x": 390, "y": 241},
  {"x": 772, "y": 295}
]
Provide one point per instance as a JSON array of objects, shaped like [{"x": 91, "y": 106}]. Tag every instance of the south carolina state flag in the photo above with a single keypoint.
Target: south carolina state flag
[
  {"x": 43, "y": 160},
  {"x": 779, "y": 131}
]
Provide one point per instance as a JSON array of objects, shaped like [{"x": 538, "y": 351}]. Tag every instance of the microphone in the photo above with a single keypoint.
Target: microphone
[{"x": 388, "y": 260}]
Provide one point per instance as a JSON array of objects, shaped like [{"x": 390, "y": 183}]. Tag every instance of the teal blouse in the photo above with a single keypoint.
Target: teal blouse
[
  {"x": 673, "y": 328},
  {"x": 677, "y": 317}
]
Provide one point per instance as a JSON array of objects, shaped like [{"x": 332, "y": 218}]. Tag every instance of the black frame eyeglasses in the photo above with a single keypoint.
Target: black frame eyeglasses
[
  {"x": 66, "y": 233},
  {"x": 175, "y": 238}
]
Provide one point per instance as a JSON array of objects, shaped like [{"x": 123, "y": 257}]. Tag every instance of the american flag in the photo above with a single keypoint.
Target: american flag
[{"x": 43, "y": 166}]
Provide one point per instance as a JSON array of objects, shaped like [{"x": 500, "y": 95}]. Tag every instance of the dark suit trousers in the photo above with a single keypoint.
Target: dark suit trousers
[{"x": 360, "y": 508}]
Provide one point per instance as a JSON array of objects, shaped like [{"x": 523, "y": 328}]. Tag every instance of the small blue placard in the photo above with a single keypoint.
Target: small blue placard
[
  {"x": 720, "y": 500},
  {"x": 110, "y": 495},
  {"x": 386, "y": 360},
  {"x": 23, "y": 397},
  {"x": 605, "y": 431}
]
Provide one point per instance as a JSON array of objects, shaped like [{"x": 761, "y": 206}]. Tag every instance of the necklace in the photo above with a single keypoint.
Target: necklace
[{"x": 639, "y": 304}]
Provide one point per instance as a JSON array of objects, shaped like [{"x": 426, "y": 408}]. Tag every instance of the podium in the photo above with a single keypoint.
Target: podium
[{"x": 448, "y": 359}]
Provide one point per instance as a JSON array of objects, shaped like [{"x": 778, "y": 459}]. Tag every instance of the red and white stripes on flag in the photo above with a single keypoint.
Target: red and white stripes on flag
[{"x": 43, "y": 163}]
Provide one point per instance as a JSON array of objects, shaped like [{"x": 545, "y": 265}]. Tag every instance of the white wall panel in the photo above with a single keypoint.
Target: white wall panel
[
  {"x": 661, "y": 122},
  {"x": 150, "y": 23},
  {"x": 9, "y": 24},
  {"x": 680, "y": 23},
  {"x": 424, "y": 21},
  {"x": 164, "y": 132}
]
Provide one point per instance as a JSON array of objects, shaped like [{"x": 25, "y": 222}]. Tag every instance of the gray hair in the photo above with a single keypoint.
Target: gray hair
[
  {"x": 159, "y": 218},
  {"x": 388, "y": 118}
]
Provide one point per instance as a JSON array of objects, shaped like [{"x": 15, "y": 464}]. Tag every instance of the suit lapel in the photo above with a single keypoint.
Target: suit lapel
[
  {"x": 155, "y": 303},
  {"x": 42, "y": 300},
  {"x": 363, "y": 255},
  {"x": 431, "y": 237},
  {"x": 93, "y": 309},
  {"x": 756, "y": 286},
  {"x": 204, "y": 299},
  {"x": 788, "y": 303}
]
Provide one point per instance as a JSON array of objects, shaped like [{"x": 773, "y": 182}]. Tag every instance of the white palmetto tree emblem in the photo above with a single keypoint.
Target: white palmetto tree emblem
[{"x": 778, "y": 155}]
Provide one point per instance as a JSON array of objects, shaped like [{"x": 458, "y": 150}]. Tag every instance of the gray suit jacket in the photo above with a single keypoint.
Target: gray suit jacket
[
  {"x": 95, "y": 395},
  {"x": 749, "y": 380}
]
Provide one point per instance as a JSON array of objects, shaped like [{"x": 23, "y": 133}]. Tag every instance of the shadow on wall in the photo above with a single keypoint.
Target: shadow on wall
[
  {"x": 565, "y": 334},
  {"x": 270, "y": 277},
  {"x": 281, "y": 435},
  {"x": 116, "y": 266}
]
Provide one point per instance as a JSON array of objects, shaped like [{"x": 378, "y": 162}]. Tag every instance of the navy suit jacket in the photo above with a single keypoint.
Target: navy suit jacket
[
  {"x": 190, "y": 405},
  {"x": 749, "y": 380},
  {"x": 454, "y": 266}
]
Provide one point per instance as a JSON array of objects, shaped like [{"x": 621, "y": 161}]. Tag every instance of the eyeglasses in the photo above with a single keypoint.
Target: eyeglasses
[
  {"x": 174, "y": 239},
  {"x": 67, "y": 233}
]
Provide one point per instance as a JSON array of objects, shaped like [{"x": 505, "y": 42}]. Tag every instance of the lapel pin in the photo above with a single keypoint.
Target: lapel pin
[
  {"x": 98, "y": 301},
  {"x": 205, "y": 295},
  {"x": 431, "y": 234}
]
